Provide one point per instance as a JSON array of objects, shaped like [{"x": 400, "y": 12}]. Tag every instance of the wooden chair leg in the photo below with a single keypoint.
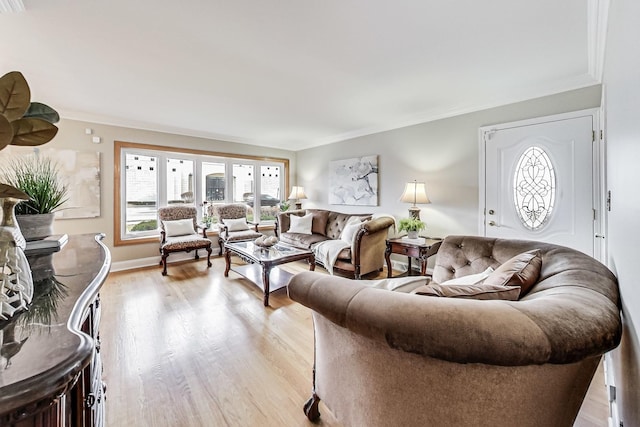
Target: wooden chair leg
[
  {"x": 164, "y": 263},
  {"x": 209, "y": 256},
  {"x": 311, "y": 408}
]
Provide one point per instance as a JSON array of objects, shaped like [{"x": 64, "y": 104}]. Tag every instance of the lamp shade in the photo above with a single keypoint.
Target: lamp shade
[
  {"x": 415, "y": 192},
  {"x": 297, "y": 193}
]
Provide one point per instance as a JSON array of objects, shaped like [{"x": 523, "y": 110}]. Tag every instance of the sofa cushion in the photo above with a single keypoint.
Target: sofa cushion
[
  {"x": 301, "y": 225},
  {"x": 473, "y": 291},
  {"x": 319, "y": 221},
  {"x": 304, "y": 241},
  {"x": 522, "y": 270}
]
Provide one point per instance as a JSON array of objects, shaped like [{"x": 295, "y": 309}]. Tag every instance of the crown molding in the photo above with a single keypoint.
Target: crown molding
[
  {"x": 11, "y": 6},
  {"x": 597, "y": 17}
]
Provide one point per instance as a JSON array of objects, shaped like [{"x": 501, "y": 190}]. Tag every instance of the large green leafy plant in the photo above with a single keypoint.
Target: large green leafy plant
[{"x": 22, "y": 122}]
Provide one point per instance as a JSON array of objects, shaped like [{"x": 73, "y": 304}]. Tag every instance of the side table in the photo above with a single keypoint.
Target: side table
[{"x": 421, "y": 248}]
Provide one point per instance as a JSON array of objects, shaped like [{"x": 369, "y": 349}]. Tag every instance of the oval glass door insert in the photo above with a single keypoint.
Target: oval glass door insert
[{"x": 534, "y": 188}]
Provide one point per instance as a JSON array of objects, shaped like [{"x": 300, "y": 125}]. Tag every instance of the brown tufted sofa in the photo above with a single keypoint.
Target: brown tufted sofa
[
  {"x": 366, "y": 253},
  {"x": 391, "y": 358}
]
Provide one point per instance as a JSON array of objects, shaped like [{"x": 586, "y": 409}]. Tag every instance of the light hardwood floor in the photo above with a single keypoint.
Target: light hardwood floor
[{"x": 197, "y": 349}]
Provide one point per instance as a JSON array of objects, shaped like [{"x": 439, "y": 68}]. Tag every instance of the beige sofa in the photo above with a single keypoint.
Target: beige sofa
[
  {"x": 366, "y": 252},
  {"x": 392, "y": 358}
]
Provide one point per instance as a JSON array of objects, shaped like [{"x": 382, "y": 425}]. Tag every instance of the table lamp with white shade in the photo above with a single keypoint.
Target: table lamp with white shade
[
  {"x": 415, "y": 192},
  {"x": 297, "y": 194}
]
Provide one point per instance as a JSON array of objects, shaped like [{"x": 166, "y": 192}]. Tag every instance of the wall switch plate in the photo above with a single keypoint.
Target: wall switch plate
[{"x": 96, "y": 139}]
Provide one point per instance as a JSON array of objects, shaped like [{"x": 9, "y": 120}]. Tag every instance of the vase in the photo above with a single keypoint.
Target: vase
[
  {"x": 413, "y": 234},
  {"x": 36, "y": 227},
  {"x": 16, "y": 283}
]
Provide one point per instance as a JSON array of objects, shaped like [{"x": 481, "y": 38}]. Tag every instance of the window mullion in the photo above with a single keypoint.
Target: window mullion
[{"x": 162, "y": 179}]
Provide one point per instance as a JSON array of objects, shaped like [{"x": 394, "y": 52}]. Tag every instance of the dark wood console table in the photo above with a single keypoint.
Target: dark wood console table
[{"x": 50, "y": 366}]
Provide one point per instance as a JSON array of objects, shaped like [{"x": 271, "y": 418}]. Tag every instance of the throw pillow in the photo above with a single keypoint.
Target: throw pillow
[
  {"x": 469, "y": 279},
  {"x": 319, "y": 221},
  {"x": 178, "y": 227},
  {"x": 399, "y": 284},
  {"x": 350, "y": 229},
  {"x": 301, "y": 224},
  {"x": 522, "y": 270},
  {"x": 476, "y": 291},
  {"x": 238, "y": 224}
]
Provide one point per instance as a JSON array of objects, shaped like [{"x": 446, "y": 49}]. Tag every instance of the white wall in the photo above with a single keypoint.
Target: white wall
[
  {"x": 443, "y": 153},
  {"x": 72, "y": 135},
  {"x": 622, "y": 109}
]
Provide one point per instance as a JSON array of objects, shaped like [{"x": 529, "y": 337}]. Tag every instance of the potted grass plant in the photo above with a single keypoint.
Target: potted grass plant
[{"x": 39, "y": 178}]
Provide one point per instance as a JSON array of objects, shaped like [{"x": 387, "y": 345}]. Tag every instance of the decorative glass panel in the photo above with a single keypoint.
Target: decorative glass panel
[
  {"x": 180, "y": 181},
  {"x": 534, "y": 188},
  {"x": 141, "y": 195},
  {"x": 270, "y": 192}
]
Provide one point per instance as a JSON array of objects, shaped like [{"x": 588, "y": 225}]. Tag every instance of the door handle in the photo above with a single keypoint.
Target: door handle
[{"x": 492, "y": 223}]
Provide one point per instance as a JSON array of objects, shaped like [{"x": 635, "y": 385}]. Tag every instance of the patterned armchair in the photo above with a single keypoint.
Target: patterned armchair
[
  {"x": 178, "y": 233},
  {"x": 231, "y": 226}
]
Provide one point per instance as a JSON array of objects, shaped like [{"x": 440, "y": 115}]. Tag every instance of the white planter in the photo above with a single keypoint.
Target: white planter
[{"x": 412, "y": 234}]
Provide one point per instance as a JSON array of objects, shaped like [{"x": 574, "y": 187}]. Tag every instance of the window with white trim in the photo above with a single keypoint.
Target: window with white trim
[{"x": 149, "y": 177}]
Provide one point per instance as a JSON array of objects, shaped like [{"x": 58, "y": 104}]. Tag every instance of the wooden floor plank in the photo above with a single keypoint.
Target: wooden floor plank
[{"x": 197, "y": 349}]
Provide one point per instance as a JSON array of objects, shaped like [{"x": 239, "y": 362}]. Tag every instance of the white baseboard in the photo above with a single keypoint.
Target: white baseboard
[
  {"x": 402, "y": 267},
  {"x": 399, "y": 265},
  {"x": 155, "y": 260}
]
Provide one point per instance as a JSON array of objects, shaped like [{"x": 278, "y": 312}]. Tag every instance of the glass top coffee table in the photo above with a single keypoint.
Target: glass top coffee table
[{"x": 262, "y": 269}]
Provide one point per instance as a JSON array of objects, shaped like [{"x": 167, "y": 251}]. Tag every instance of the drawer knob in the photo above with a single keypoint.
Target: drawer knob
[{"x": 90, "y": 400}]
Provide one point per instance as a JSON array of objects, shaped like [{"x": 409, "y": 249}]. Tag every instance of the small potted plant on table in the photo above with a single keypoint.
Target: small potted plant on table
[
  {"x": 40, "y": 179},
  {"x": 412, "y": 226}
]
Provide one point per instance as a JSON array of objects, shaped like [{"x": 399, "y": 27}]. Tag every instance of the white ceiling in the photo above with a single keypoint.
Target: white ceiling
[{"x": 295, "y": 73}]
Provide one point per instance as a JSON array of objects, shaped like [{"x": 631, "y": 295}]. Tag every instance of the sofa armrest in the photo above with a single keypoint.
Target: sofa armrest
[
  {"x": 456, "y": 330},
  {"x": 223, "y": 230},
  {"x": 377, "y": 224}
]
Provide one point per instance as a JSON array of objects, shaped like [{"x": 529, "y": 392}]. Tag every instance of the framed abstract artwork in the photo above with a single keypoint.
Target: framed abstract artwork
[
  {"x": 81, "y": 172},
  {"x": 354, "y": 181}
]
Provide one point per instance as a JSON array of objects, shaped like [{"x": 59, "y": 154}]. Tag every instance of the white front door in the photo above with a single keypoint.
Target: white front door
[{"x": 539, "y": 181}]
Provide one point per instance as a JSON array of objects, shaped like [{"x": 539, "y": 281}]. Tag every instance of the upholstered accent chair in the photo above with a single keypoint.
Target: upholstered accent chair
[
  {"x": 233, "y": 224},
  {"x": 178, "y": 233}
]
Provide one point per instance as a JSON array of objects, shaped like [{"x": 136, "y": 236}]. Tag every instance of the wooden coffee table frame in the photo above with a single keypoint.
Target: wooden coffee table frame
[{"x": 262, "y": 264}]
